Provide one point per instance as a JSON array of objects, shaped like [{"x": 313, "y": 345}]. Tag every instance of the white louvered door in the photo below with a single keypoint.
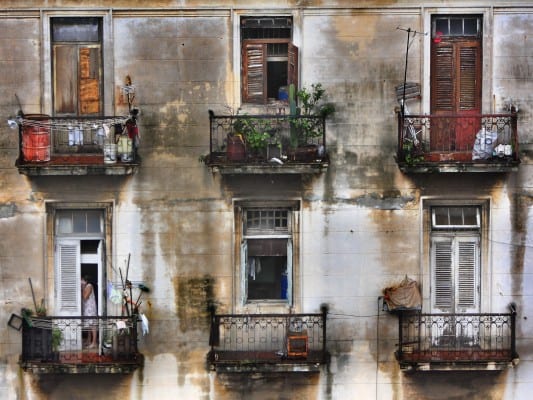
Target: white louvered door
[
  {"x": 454, "y": 289},
  {"x": 455, "y": 274}
]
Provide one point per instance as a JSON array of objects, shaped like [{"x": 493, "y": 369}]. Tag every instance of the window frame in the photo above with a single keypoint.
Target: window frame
[
  {"x": 107, "y": 67},
  {"x": 55, "y": 240},
  {"x": 484, "y": 14},
  {"x": 86, "y": 68},
  {"x": 241, "y": 300},
  {"x": 450, "y": 233},
  {"x": 293, "y": 73}
]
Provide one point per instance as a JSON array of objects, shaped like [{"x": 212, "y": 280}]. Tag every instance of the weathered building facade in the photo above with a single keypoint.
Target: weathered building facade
[{"x": 255, "y": 235}]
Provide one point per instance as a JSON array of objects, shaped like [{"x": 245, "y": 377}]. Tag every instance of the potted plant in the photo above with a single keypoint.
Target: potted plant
[
  {"x": 57, "y": 338},
  {"x": 306, "y": 132},
  {"x": 257, "y": 134},
  {"x": 411, "y": 153}
]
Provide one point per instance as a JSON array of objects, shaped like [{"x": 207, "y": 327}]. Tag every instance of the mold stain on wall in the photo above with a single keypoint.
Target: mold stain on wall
[
  {"x": 520, "y": 206},
  {"x": 193, "y": 296}
]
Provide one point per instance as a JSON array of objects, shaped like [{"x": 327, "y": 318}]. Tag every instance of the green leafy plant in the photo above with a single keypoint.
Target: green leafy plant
[
  {"x": 311, "y": 101},
  {"x": 256, "y": 132},
  {"x": 411, "y": 153},
  {"x": 57, "y": 337},
  {"x": 311, "y": 105}
]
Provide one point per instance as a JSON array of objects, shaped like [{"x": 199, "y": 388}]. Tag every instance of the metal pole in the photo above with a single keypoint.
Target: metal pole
[{"x": 405, "y": 71}]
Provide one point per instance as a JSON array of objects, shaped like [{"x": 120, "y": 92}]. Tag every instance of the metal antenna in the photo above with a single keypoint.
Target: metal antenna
[{"x": 409, "y": 31}]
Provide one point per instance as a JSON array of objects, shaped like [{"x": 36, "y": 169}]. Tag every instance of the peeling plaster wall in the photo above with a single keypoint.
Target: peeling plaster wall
[{"x": 360, "y": 220}]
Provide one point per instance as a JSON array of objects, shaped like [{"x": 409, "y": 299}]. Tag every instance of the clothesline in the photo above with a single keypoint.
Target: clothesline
[{"x": 60, "y": 124}]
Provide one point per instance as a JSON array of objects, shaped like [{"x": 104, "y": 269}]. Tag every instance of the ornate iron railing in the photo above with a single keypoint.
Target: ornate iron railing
[
  {"x": 260, "y": 139},
  {"x": 445, "y": 138},
  {"x": 268, "y": 338},
  {"x": 456, "y": 338},
  {"x": 52, "y": 343}
]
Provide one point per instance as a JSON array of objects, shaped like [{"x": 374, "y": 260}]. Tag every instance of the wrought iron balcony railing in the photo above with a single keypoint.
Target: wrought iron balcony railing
[
  {"x": 275, "y": 342},
  {"x": 456, "y": 341},
  {"x": 77, "y": 146},
  {"x": 485, "y": 142},
  {"x": 59, "y": 345},
  {"x": 270, "y": 143}
]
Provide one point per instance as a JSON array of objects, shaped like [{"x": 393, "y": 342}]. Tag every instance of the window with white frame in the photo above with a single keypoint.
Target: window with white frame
[
  {"x": 455, "y": 258},
  {"x": 266, "y": 253},
  {"x": 79, "y": 252},
  {"x": 269, "y": 58}
]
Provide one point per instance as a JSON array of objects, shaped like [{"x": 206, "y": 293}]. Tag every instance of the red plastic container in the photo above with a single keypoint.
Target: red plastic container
[{"x": 36, "y": 137}]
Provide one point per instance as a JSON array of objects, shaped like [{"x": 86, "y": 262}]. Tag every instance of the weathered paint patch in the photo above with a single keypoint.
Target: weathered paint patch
[
  {"x": 193, "y": 297},
  {"x": 392, "y": 200},
  {"x": 8, "y": 210}
]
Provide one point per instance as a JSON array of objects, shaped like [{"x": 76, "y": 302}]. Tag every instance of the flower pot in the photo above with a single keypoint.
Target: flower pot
[{"x": 236, "y": 151}]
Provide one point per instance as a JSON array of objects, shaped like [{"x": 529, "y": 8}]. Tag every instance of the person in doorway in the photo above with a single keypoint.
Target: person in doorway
[{"x": 89, "y": 309}]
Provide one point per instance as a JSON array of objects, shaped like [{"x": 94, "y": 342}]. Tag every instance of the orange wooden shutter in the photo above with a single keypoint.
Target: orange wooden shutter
[{"x": 89, "y": 80}]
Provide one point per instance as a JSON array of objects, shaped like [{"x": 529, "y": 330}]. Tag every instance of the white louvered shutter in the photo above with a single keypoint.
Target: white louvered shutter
[
  {"x": 442, "y": 275},
  {"x": 467, "y": 274},
  {"x": 68, "y": 285}
]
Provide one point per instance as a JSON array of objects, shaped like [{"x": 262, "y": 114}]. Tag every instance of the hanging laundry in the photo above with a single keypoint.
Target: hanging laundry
[
  {"x": 145, "y": 326},
  {"x": 114, "y": 294}
]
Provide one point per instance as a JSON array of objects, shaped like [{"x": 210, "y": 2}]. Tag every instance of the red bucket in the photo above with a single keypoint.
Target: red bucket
[{"x": 36, "y": 137}]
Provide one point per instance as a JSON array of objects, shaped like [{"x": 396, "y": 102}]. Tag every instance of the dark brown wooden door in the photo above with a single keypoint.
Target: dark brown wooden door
[
  {"x": 455, "y": 93},
  {"x": 254, "y": 72}
]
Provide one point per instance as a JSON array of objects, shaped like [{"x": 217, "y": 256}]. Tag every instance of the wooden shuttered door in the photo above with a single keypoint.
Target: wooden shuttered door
[
  {"x": 455, "y": 274},
  {"x": 77, "y": 80},
  {"x": 65, "y": 79},
  {"x": 254, "y": 72},
  {"x": 455, "y": 90}
]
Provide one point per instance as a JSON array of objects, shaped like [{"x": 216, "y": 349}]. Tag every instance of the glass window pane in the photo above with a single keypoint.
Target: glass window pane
[
  {"x": 79, "y": 222},
  {"x": 94, "y": 221},
  {"x": 64, "y": 222},
  {"x": 441, "y": 25},
  {"x": 470, "y": 216},
  {"x": 441, "y": 216},
  {"x": 456, "y": 216},
  {"x": 456, "y": 27},
  {"x": 75, "y": 30},
  {"x": 470, "y": 26}
]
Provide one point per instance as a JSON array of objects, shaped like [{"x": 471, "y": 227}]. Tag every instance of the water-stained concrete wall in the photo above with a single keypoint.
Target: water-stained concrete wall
[{"x": 361, "y": 221}]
